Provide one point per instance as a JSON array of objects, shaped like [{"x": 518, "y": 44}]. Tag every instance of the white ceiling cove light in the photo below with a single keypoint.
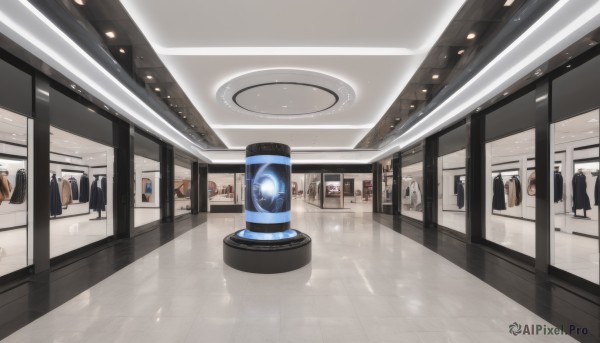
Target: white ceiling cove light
[{"x": 285, "y": 92}]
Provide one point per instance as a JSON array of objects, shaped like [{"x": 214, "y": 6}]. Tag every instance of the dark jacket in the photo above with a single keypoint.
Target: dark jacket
[
  {"x": 96, "y": 197},
  {"x": 518, "y": 190},
  {"x": 558, "y": 186},
  {"x": 74, "y": 188},
  {"x": 498, "y": 201},
  {"x": 581, "y": 201},
  {"x": 460, "y": 195},
  {"x": 20, "y": 191},
  {"x": 55, "y": 204},
  {"x": 103, "y": 186},
  {"x": 597, "y": 191},
  {"x": 84, "y": 189}
]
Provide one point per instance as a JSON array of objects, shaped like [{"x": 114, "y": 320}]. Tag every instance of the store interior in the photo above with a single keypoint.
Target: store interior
[
  {"x": 147, "y": 190},
  {"x": 341, "y": 191},
  {"x": 411, "y": 191},
  {"x": 182, "y": 190},
  {"x": 452, "y": 176}
]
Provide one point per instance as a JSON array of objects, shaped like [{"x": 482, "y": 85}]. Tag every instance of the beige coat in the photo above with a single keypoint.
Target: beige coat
[
  {"x": 5, "y": 188},
  {"x": 65, "y": 195}
]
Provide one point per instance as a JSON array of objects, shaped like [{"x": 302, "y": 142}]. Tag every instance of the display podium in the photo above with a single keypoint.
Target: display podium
[{"x": 268, "y": 244}]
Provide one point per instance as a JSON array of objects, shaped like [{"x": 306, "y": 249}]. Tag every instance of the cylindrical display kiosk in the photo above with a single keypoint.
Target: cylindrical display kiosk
[{"x": 267, "y": 244}]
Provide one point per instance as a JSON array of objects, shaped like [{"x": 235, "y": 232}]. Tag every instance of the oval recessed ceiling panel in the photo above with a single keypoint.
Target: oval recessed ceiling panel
[{"x": 286, "y": 92}]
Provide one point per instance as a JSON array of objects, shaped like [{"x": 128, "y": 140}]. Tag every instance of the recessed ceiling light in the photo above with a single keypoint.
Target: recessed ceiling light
[
  {"x": 149, "y": 77},
  {"x": 179, "y": 112},
  {"x": 471, "y": 35},
  {"x": 412, "y": 106},
  {"x": 424, "y": 90},
  {"x": 592, "y": 43},
  {"x": 122, "y": 50},
  {"x": 391, "y": 126},
  {"x": 508, "y": 3},
  {"x": 73, "y": 86},
  {"x": 193, "y": 125},
  {"x": 110, "y": 34},
  {"x": 168, "y": 97},
  {"x": 184, "y": 117},
  {"x": 79, "y": 2},
  {"x": 568, "y": 66},
  {"x": 397, "y": 119},
  {"x": 435, "y": 76},
  {"x": 157, "y": 89},
  {"x": 461, "y": 51}
]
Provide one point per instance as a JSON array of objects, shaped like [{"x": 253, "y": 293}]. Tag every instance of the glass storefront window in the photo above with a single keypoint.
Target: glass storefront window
[
  {"x": 411, "y": 191},
  {"x": 225, "y": 188},
  {"x": 510, "y": 192},
  {"x": 387, "y": 182},
  {"x": 452, "y": 176},
  {"x": 147, "y": 190},
  {"x": 312, "y": 192},
  {"x": 576, "y": 192},
  {"x": 16, "y": 222},
  {"x": 81, "y": 191},
  {"x": 355, "y": 187},
  {"x": 333, "y": 191},
  {"x": 182, "y": 190}
]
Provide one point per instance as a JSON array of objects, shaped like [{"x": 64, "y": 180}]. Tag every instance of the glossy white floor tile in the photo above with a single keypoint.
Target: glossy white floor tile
[{"x": 366, "y": 283}]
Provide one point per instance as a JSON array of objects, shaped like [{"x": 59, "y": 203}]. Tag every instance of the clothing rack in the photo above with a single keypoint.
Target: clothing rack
[{"x": 507, "y": 172}]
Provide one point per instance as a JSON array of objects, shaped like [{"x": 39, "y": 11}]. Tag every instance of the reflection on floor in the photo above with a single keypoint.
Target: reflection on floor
[
  {"x": 351, "y": 204},
  {"x": 68, "y": 234},
  {"x": 146, "y": 215},
  {"x": 366, "y": 283},
  {"x": 418, "y": 215},
  {"x": 453, "y": 220},
  {"x": 575, "y": 254}
]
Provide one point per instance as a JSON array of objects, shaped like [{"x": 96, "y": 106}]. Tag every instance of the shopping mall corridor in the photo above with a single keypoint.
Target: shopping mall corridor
[{"x": 366, "y": 283}]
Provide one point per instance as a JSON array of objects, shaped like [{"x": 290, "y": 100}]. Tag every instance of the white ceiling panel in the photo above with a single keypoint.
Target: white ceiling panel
[
  {"x": 310, "y": 138},
  {"x": 409, "y": 24}
]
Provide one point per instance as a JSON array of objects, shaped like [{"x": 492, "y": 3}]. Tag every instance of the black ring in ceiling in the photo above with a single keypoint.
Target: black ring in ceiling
[{"x": 337, "y": 98}]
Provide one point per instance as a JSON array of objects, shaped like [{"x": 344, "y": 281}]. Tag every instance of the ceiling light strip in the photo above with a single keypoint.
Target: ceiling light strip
[
  {"x": 432, "y": 122},
  {"x": 77, "y": 73},
  {"x": 285, "y": 51},
  {"x": 292, "y": 127}
]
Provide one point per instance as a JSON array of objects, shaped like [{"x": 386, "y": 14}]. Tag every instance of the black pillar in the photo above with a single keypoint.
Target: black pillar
[
  {"x": 194, "y": 192},
  {"x": 41, "y": 174},
  {"x": 543, "y": 205},
  {"x": 203, "y": 188},
  {"x": 396, "y": 184},
  {"x": 377, "y": 171},
  {"x": 430, "y": 152},
  {"x": 475, "y": 183},
  {"x": 167, "y": 179},
  {"x": 124, "y": 180}
]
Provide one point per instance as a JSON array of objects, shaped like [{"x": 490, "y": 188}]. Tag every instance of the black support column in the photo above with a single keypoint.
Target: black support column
[
  {"x": 124, "y": 180},
  {"x": 430, "y": 182},
  {"x": 194, "y": 192},
  {"x": 41, "y": 172},
  {"x": 396, "y": 184},
  {"x": 167, "y": 179},
  {"x": 203, "y": 188},
  {"x": 543, "y": 205},
  {"x": 377, "y": 171},
  {"x": 475, "y": 185}
]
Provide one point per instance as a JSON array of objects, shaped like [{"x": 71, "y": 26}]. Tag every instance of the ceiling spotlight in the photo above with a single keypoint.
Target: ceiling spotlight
[
  {"x": 157, "y": 89},
  {"x": 392, "y": 126},
  {"x": 424, "y": 90},
  {"x": 508, "y": 3},
  {"x": 110, "y": 34},
  {"x": 505, "y": 93},
  {"x": 592, "y": 43},
  {"x": 149, "y": 77},
  {"x": 179, "y": 112},
  {"x": 122, "y": 50},
  {"x": 412, "y": 106},
  {"x": 397, "y": 119},
  {"x": 184, "y": 117},
  {"x": 568, "y": 66},
  {"x": 435, "y": 76},
  {"x": 168, "y": 97},
  {"x": 79, "y": 2},
  {"x": 73, "y": 86},
  {"x": 461, "y": 51},
  {"x": 538, "y": 72},
  {"x": 471, "y": 35},
  {"x": 478, "y": 109},
  {"x": 192, "y": 125}
]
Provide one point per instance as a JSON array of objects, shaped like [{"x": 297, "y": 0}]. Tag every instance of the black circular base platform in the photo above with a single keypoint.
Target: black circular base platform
[{"x": 267, "y": 257}]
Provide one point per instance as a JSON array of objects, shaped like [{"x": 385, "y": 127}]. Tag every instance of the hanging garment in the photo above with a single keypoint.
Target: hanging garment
[
  {"x": 518, "y": 192},
  {"x": 66, "y": 197},
  {"x": 498, "y": 201},
  {"x": 581, "y": 201},
  {"x": 460, "y": 195},
  {"x": 531, "y": 184},
  {"x": 55, "y": 204},
  {"x": 597, "y": 191},
  {"x": 558, "y": 186},
  {"x": 74, "y": 188},
  {"x": 104, "y": 189},
  {"x": 407, "y": 192},
  {"x": 84, "y": 188},
  {"x": 5, "y": 188},
  {"x": 415, "y": 195},
  {"x": 512, "y": 193},
  {"x": 20, "y": 191},
  {"x": 148, "y": 188},
  {"x": 100, "y": 199},
  {"x": 94, "y": 195}
]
